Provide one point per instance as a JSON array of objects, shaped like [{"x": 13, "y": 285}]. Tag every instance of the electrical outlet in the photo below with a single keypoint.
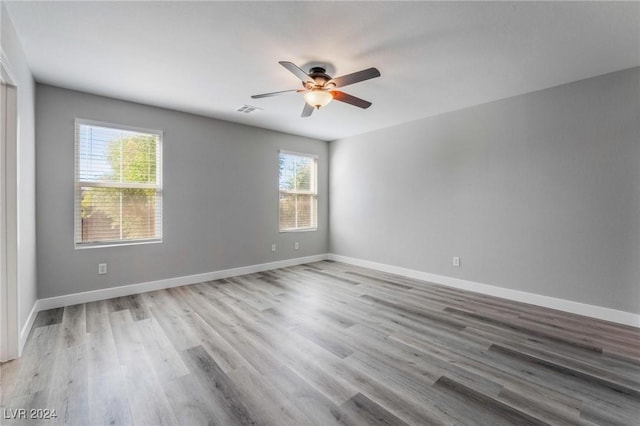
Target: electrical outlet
[
  {"x": 102, "y": 268},
  {"x": 456, "y": 261},
  {"x": 273, "y": 247},
  {"x": 296, "y": 245}
]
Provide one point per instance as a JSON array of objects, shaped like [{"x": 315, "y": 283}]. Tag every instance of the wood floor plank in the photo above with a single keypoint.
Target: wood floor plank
[
  {"x": 538, "y": 406},
  {"x": 471, "y": 396},
  {"x": 265, "y": 401},
  {"x": 107, "y": 393},
  {"x": 194, "y": 404},
  {"x": 68, "y": 392},
  {"x": 511, "y": 371},
  {"x": 97, "y": 316},
  {"x": 176, "y": 329},
  {"x": 161, "y": 353},
  {"x": 303, "y": 356},
  {"x": 318, "y": 408},
  {"x": 323, "y": 338},
  {"x": 376, "y": 387},
  {"x": 74, "y": 326},
  {"x": 48, "y": 317},
  {"x": 108, "y": 403},
  {"x": 218, "y": 384},
  {"x": 627, "y": 385},
  {"x": 325, "y": 343},
  {"x": 438, "y": 410},
  {"x": 101, "y": 353},
  {"x": 36, "y": 366},
  {"x": 225, "y": 355},
  {"x": 147, "y": 401},
  {"x": 9, "y": 374},
  {"x": 557, "y": 407},
  {"x": 360, "y": 410}
]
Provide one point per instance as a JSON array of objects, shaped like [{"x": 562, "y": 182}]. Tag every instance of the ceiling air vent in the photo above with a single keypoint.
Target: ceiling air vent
[{"x": 248, "y": 109}]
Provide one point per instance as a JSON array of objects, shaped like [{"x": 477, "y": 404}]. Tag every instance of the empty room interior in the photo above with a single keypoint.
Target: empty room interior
[{"x": 318, "y": 213}]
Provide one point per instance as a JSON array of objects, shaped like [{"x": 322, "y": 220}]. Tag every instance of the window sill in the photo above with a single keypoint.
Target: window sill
[
  {"x": 283, "y": 231},
  {"x": 115, "y": 244}
]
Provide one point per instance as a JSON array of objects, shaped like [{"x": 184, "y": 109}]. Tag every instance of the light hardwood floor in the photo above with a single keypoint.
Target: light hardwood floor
[{"x": 323, "y": 343}]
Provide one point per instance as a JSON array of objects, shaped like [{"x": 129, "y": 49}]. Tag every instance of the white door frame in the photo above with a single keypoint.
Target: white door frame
[{"x": 9, "y": 321}]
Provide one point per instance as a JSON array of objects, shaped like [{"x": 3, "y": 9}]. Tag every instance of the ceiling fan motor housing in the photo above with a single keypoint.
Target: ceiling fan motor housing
[{"x": 320, "y": 77}]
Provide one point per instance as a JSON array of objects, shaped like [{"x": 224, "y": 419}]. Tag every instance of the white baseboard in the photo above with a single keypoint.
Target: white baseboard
[
  {"x": 127, "y": 290},
  {"x": 599, "y": 312},
  {"x": 26, "y": 329}
]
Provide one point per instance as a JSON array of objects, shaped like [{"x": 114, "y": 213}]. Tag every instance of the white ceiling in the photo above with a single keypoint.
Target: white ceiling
[{"x": 208, "y": 58}]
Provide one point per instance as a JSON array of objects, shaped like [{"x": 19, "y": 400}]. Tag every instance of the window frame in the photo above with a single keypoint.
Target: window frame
[
  {"x": 313, "y": 192},
  {"x": 77, "y": 207}
]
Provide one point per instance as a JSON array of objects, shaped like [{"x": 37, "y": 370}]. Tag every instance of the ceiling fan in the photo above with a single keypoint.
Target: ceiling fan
[{"x": 319, "y": 88}]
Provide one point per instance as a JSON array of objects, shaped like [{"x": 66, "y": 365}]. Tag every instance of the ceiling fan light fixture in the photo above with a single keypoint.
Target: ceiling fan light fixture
[
  {"x": 317, "y": 98},
  {"x": 319, "y": 87}
]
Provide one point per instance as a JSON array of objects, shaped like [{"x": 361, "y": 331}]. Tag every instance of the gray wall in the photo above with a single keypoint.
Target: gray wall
[
  {"x": 26, "y": 260},
  {"x": 220, "y": 196},
  {"x": 538, "y": 193}
]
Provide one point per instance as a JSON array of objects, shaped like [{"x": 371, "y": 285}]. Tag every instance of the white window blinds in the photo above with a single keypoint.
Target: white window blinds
[
  {"x": 298, "y": 192},
  {"x": 118, "y": 185}
]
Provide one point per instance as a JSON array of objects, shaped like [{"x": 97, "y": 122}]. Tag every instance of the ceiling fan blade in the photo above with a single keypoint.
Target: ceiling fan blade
[
  {"x": 356, "y": 77},
  {"x": 293, "y": 68},
  {"x": 307, "y": 110},
  {"x": 266, "y": 95},
  {"x": 349, "y": 99}
]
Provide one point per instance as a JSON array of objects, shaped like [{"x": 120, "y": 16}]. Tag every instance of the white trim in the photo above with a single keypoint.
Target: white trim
[
  {"x": 599, "y": 312},
  {"x": 288, "y": 231},
  {"x": 313, "y": 192},
  {"x": 78, "y": 184},
  {"x": 26, "y": 329},
  {"x": 126, "y": 290},
  {"x": 9, "y": 217},
  {"x": 118, "y": 243},
  {"x": 298, "y": 153},
  {"x": 115, "y": 126},
  {"x": 6, "y": 73}
]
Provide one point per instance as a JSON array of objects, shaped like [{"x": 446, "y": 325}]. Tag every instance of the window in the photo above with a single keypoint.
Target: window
[
  {"x": 118, "y": 185},
  {"x": 298, "y": 192}
]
